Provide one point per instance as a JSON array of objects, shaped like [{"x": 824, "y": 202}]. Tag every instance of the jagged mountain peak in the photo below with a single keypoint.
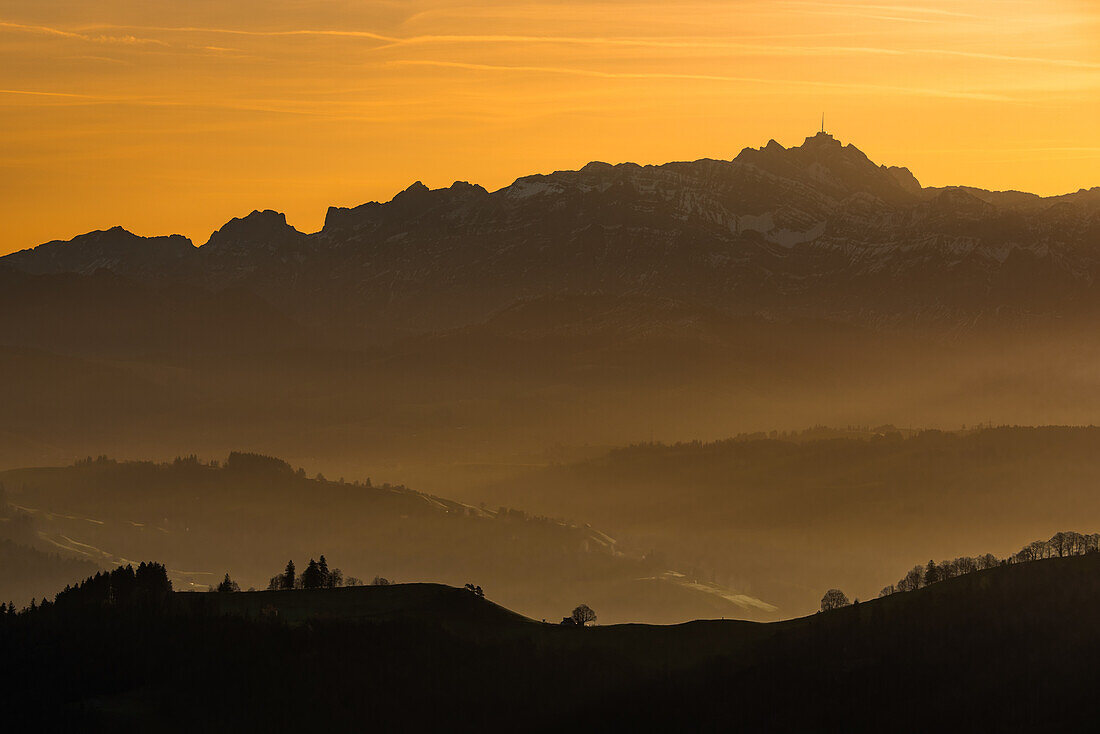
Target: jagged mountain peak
[
  {"x": 467, "y": 187},
  {"x": 418, "y": 193},
  {"x": 414, "y": 201},
  {"x": 777, "y": 230},
  {"x": 119, "y": 235},
  {"x": 116, "y": 249},
  {"x": 265, "y": 230},
  {"x": 416, "y": 187},
  {"x": 838, "y": 169},
  {"x": 823, "y": 140}
]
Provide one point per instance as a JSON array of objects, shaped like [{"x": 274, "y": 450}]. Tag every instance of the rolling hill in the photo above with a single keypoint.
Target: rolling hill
[
  {"x": 783, "y": 517},
  {"x": 1006, "y": 649},
  {"x": 253, "y": 513}
]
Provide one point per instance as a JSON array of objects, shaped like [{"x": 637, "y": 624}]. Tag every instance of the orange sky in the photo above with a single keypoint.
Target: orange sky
[{"x": 172, "y": 117}]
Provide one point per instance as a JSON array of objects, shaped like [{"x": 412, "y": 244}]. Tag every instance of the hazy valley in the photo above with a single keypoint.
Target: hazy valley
[{"x": 503, "y": 349}]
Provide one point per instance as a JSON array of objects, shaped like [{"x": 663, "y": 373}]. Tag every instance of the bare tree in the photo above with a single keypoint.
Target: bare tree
[
  {"x": 965, "y": 565},
  {"x": 582, "y": 615},
  {"x": 987, "y": 561},
  {"x": 914, "y": 579},
  {"x": 1075, "y": 544},
  {"x": 1092, "y": 542},
  {"x": 834, "y": 599}
]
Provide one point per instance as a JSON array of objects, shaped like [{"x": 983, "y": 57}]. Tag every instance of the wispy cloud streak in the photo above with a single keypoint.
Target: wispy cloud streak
[
  {"x": 392, "y": 41},
  {"x": 955, "y": 94},
  {"x": 73, "y": 35}
]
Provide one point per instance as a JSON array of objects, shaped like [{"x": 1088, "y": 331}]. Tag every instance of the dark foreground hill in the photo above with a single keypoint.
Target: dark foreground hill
[{"x": 1007, "y": 649}]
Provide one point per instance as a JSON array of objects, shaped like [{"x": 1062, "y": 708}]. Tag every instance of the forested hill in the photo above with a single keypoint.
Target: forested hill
[{"x": 1003, "y": 649}]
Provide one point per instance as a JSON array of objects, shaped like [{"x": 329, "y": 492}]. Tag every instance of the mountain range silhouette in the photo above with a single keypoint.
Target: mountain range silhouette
[{"x": 814, "y": 230}]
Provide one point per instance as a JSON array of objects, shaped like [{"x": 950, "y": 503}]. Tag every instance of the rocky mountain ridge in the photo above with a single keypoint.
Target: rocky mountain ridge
[{"x": 814, "y": 230}]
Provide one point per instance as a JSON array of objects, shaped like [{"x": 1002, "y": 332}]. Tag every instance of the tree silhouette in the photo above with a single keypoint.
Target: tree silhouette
[
  {"x": 227, "y": 585},
  {"x": 833, "y": 599},
  {"x": 582, "y": 615},
  {"x": 288, "y": 575},
  {"x": 1061, "y": 545},
  {"x": 312, "y": 577},
  {"x": 322, "y": 566}
]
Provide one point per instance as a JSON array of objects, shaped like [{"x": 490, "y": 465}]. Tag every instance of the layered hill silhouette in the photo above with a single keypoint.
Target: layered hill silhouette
[
  {"x": 495, "y": 346},
  {"x": 1005, "y": 649},
  {"x": 779, "y": 516},
  {"x": 256, "y": 512}
]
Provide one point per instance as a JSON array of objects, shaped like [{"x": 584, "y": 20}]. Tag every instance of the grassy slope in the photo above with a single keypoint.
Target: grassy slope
[
  {"x": 1007, "y": 649},
  {"x": 1025, "y": 599},
  {"x": 458, "y": 611}
]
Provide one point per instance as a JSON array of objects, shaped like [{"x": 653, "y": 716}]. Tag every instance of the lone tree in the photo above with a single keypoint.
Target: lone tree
[
  {"x": 833, "y": 599},
  {"x": 228, "y": 584},
  {"x": 582, "y": 615}
]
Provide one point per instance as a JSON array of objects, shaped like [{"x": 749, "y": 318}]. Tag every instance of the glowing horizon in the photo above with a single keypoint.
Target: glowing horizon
[{"x": 174, "y": 121}]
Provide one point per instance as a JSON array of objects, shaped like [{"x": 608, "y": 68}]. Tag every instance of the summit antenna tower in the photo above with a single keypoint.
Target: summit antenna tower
[{"x": 822, "y": 122}]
